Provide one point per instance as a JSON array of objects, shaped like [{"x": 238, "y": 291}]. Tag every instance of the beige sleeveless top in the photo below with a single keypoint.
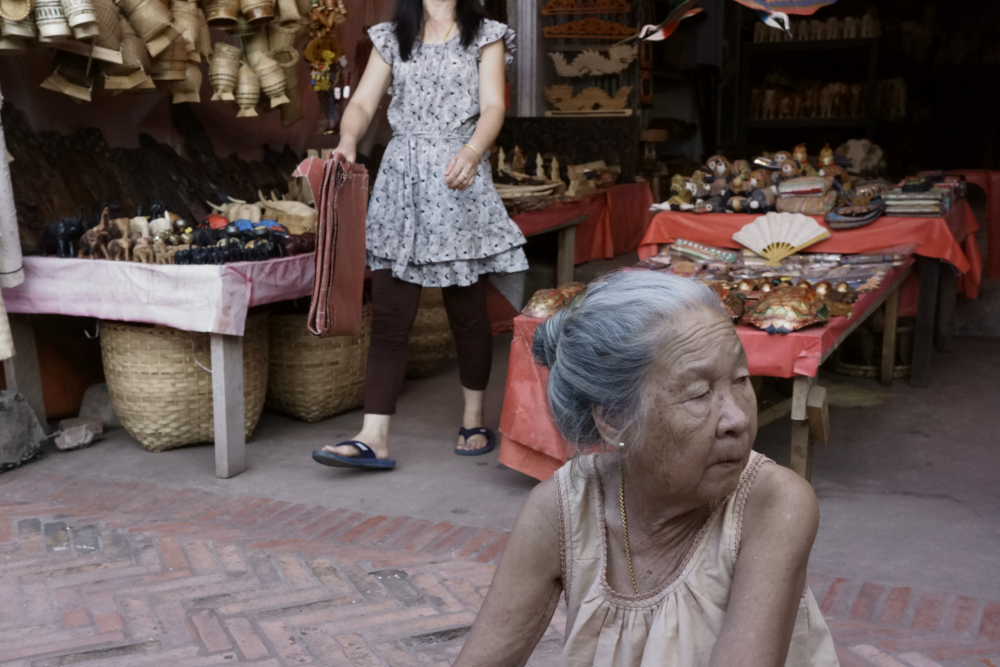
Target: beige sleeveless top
[{"x": 678, "y": 625}]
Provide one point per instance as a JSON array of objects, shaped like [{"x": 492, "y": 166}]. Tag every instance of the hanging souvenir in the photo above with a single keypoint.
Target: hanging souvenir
[{"x": 327, "y": 59}]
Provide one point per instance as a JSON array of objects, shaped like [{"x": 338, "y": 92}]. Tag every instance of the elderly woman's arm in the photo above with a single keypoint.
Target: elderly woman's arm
[
  {"x": 525, "y": 589},
  {"x": 779, "y": 526}
]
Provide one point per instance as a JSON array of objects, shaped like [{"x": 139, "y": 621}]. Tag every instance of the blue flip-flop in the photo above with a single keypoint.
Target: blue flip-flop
[
  {"x": 491, "y": 441},
  {"x": 366, "y": 458}
]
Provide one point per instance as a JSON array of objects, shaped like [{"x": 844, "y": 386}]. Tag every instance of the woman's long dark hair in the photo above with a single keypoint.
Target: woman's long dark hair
[{"x": 410, "y": 20}]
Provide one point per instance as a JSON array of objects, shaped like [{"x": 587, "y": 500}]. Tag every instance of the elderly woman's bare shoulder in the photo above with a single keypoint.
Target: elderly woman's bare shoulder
[
  {"x": 542, "y": 506},
  {"x": 781, "y": 504}
]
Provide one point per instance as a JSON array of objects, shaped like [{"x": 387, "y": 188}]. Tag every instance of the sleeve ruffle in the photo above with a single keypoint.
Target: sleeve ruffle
[
  {"x": 383, "y": 36},
  {"x": 493, "y": 31}
]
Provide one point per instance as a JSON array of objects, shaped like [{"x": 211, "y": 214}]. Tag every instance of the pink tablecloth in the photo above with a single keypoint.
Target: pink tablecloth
[
  {"x": 204, "y": 298},
  {"x": 533, "y": 445}
]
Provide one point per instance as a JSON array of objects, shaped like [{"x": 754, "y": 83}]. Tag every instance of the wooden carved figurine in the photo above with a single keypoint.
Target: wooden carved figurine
[{"x": 94, "y": 241}]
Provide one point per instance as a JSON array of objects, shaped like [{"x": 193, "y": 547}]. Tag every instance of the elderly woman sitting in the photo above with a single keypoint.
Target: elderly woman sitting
[{"x": 678, "y": 545}]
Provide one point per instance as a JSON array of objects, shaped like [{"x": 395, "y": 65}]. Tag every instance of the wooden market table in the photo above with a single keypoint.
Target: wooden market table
[
  {"x": 945, "y": 247},
  {"x": 211, "y": 299},
  {"x": 533, "y": 445}
]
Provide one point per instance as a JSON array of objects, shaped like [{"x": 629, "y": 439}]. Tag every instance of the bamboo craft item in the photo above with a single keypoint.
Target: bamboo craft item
[
  {"x": 81, "y": 18},
  {"x": 152, "y": 22},
  {"x": 108, "y": 23},
  {"x": 171, "y": 64},
  {"x": 189, "y": 89},
  {"x": 71, "y": 77},
  {"x": 272, "y": 80},
  {"x": 291, "y": 113},
  {"x": 186, "y": 22},
  {"x": 257, "y": 11},
  {"x": 19, "y": 30},
  {"x": 159, "y": 385},
  {"x": 133, "y": 73},
  {"x": 223, "y": 71},
  {"x": 222, "y": 13},
  {"x": 51, "y": 21},
  {"x": 247, "y": 92},
  {"x": 312, "y": 377}
]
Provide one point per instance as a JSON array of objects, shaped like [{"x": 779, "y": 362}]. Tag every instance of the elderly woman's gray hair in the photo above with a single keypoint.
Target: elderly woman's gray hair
[{"x": 600, "y": 349}]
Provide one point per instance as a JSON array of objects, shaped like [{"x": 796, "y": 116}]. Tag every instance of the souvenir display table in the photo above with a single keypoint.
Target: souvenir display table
[
  {"x": 532, "y": 444},
  {"x": 989, "y": 182},
  {"x": 211, "y": 299},
  {"x": 935, "y": 241},
  {"x": 599, "y": 226},
  {"x": 616, "y": 220}
]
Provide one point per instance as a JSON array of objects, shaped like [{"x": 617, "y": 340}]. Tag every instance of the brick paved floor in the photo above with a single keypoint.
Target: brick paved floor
[{"x": 101, "y": 574}]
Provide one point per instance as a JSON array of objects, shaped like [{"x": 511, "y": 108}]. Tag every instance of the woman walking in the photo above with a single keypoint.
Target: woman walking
[{"x": 435, "y": 218}]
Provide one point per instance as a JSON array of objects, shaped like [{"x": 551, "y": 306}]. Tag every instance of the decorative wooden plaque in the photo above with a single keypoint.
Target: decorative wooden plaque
[
  {"x": 587, "y": 7},
  {"x": 592, "y": 28}
]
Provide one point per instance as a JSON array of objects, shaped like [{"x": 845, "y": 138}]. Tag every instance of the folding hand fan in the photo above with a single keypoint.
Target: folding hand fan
[{"x": 776, "y": 236}]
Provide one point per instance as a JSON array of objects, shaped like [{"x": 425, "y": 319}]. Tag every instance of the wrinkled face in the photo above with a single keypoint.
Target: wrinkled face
[{"x": 701, "y": 413}]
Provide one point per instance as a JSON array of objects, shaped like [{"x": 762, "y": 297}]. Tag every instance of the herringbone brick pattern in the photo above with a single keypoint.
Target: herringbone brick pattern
[{"x": 97, "y": 573}]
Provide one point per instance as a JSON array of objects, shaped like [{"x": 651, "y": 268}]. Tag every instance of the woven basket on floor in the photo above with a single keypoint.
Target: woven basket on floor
[
  {"x": 312, "y": 378},
  {"x": 158, "y": 389},
  {"x": 431, "y": 342}
]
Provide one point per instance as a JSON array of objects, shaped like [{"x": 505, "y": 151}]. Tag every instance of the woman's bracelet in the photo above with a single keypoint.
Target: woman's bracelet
[{"x": 479, "y": 153}]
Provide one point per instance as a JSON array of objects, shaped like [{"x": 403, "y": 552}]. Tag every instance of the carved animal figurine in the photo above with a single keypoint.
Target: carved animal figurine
[
  {"x": 770, "y": 105},
  {"x": 139, "y": 225},
  {"x": 554, "y": 174},
  {"x": 759, "y": 178},
  {"x": 738, "y": 204},
  {"x": 699, "y": 188},
  {"x": 120, "y": 228},
  {"x": 64, "y": 236},
  {"x": 681, "y": 196},
  {"x": 826, "y": 101},
  {"x": 851, "y": 28},
  {"x": 826, "y": 157},
  {"x": 143, "y": 251},
  {"x": 160, "y": 251},
  {"x": 94, "y": 241},
  {"x": 790, "y": 169},
  {"x": 120, "y": 249},
  {"x": 539, "y": 167},
  {"x": 801, "y": 155},
  {"x": 518, "y": 161}
]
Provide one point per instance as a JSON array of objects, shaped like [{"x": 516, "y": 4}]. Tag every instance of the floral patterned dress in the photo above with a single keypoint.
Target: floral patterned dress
[{"x": 424, "y": 231}]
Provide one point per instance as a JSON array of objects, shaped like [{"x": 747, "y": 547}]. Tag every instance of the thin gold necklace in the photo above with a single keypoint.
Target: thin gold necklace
[
  {"x": 447, "y": 34},
  {"x": 628, "y": 540}
]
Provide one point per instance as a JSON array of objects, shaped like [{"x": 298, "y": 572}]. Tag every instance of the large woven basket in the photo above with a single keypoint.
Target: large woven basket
[
  {"x": 431, "y": 342},
  {"x": 160, "y": 387},
  {"x": 312, "y": 378}
]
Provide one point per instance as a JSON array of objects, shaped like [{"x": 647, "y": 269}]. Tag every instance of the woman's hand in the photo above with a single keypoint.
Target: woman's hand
[
  {"x": 462, "y": 169},
  {"x": 345, "y": 152}
]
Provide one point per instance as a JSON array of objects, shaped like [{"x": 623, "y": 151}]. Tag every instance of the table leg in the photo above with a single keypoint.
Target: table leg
[
  {"x": 923, "y": 334},
  {"x": 21, "y": 371},
  {"x": 800, "y": 455},
  {"x": 947, "y": 298},
  {"x": 566, "y": 259},
  {"x": 889, "y": 337},
  {"x": 228, "y": 405}
]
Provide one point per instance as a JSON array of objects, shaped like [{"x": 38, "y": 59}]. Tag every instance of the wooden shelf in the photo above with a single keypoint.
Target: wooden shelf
[
  {"x": 789, "y": 123},
  {"x": 812, "y": 45}
]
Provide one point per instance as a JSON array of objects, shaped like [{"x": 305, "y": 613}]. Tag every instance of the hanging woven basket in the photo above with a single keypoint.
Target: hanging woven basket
[
  {"x": 160, "y": 387},
  {"x": 312, "y": 378}
]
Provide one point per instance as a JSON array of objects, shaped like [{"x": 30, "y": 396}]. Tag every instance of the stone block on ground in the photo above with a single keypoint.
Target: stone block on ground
[
  {"x": 79, "y": 432},
  {"x": 97, "y": 404},
  {"x": 21, "y": 435}
]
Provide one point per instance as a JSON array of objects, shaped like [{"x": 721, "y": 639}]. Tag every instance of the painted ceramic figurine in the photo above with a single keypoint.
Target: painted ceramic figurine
[
  {"x": 788, "y": 309},
  {"x": 801, "y": 155}
]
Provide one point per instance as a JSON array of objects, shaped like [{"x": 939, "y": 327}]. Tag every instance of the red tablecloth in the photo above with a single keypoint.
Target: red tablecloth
[
  {"x": 532, "y": 443},
  {"x": 989, "y": 181},
  {"x": 616, "y": 220},
  {"x": 952, "y": 239}
]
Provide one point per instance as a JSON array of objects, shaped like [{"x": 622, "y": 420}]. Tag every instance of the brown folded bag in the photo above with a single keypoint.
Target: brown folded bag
[{"x": 341, "y": 193}]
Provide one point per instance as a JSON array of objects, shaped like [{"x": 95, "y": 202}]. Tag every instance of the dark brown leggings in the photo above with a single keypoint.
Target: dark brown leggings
[{"x": 394, "y": 304}]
